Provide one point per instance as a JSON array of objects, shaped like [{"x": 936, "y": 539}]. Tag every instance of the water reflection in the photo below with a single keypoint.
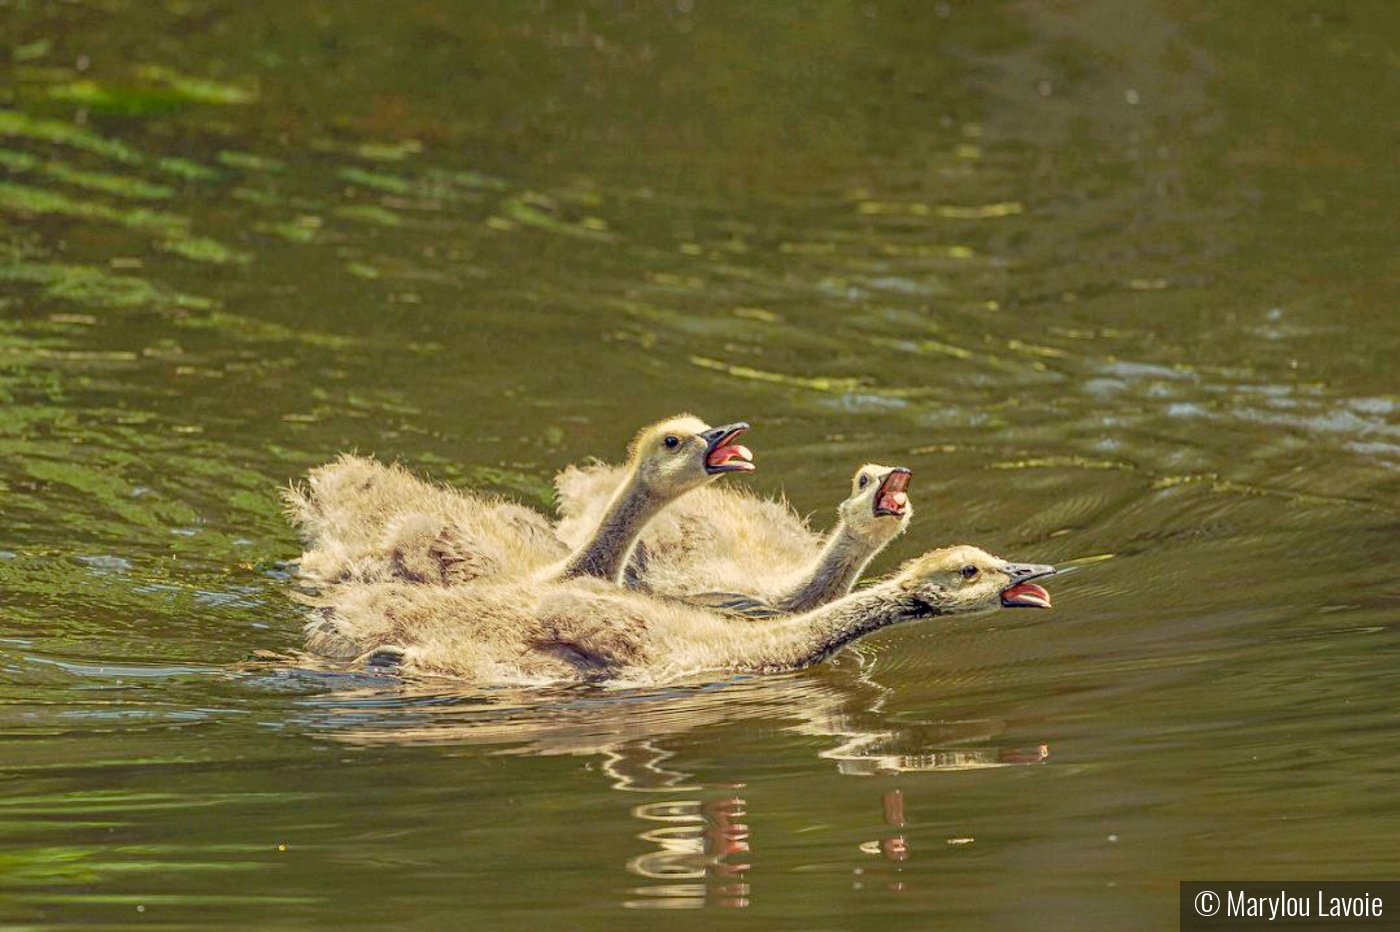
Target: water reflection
[
  {"x": 696, "y": 834},
  {"x": 894, "y": 846},
  {"x": 929, "y": 748},
  {"x": 641, "y": 767},
  {"x": 628, "y": 730},
  {"x": 703, "y": 843}
]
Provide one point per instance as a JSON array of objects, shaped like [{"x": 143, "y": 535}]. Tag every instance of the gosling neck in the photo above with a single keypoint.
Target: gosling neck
[
  {"x": 802, "y": 640},
  {"x": 843, "y": 557},
  {"x": 606, "y": 553}
]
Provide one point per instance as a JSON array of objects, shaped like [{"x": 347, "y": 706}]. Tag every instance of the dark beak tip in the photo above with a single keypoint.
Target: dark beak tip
[{"x": 715, "y": 435}]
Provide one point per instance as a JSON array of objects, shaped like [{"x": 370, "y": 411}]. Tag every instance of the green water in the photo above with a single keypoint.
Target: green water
[{"x": 1118, "y": 281}]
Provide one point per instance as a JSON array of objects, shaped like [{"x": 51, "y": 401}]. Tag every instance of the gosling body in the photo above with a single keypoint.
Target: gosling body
[
  {"x": 366, "y": 521},
  {"x": 494, "y": 632}
]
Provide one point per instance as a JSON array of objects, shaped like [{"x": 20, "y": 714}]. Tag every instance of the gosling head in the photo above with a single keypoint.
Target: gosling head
[
  {"x": 965, "y": 579},
  {"x": 879, "y": 507},
  {"x": 683, "y": 453}
]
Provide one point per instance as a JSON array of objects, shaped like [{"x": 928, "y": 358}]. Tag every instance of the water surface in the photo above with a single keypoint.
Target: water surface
[{"x": 1117, "y": 281}]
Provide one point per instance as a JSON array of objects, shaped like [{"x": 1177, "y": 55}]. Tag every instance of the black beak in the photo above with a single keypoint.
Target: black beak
[
  {"x": 722, "y": 454},
  {"x": 894, "y": 481}
]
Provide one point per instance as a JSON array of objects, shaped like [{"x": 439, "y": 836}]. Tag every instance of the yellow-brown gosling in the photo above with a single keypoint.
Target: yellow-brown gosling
[
  {"x": 721, "y": 541},
  {"x": 664, "y": 462},
  {"x": 525, "y": 632},
  {"x": 366, "y": 521}
]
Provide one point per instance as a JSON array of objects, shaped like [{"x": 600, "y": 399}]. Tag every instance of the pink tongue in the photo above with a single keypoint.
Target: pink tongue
[
  {"x": 1028, "y": 589},
  {"x": 894, "y": 501},
  {"x": 721, "y": 455}
]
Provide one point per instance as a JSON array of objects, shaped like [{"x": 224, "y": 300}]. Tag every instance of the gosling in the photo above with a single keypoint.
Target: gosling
[
  {"x": 727, "y": 548},
  {"x": 664, "y": 462},
  {"x": 364, "y": 521},
  {"x": 583, "y": 630}
]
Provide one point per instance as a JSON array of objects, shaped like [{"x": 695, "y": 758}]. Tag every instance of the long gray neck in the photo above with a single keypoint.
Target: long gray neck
[
  {"x": 605, "y": 554},
  {"x": 802, "y": 640},
  {"x": 835, "y": 570}
]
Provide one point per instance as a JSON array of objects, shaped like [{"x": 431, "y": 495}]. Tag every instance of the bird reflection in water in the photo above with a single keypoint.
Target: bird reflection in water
[
  {"x": 869, "y": 755},
  {"x": 700, "y": 858},
  {"x": 696, "y": 848},
  {"x": 893, "y": 847}
]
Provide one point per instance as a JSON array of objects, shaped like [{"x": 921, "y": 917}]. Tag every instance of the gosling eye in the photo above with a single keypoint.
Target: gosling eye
[
  {"x": 864, "y": 481},
  {"x": 968, "y": 571},
  {"x": 672, "y": 441}
]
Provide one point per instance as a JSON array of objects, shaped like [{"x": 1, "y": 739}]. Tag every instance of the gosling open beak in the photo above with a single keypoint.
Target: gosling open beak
[
  {"x": 722, "y": 454},
  {"x": 890, "y": 497},
  {"x": 1022, "y": 593}
]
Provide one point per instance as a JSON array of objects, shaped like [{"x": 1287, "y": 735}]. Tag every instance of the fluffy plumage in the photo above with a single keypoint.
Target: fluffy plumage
[
  {"x": 728, "y": 540},
  {"x": 366, "y": 521},
  {"x": 665, "y": 461},
  {"x": 523, "y": 632}
]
